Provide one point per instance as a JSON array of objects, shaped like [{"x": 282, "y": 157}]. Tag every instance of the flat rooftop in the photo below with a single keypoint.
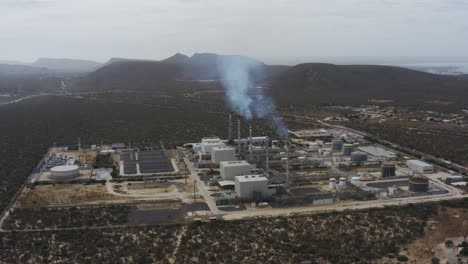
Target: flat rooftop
[
  {"x": 234, "y": 163},
  {"x": 377, "y": 152},
  {"x": 251, "y": 178},
  {"x": 419, "y": 163}
]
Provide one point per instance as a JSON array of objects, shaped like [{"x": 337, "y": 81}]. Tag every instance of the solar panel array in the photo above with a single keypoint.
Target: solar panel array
[{"x": 154, "y": 161}]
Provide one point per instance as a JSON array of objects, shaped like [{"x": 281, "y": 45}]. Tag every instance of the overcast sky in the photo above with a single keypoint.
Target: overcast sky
[{"x": 281, "y": 30}]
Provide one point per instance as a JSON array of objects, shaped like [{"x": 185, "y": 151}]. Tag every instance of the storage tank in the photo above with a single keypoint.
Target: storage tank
[
  {"x": 419, "y": 184},
  {"x": 332, "y": 183},
  {"x": 358, "y": 156},
  {"x": 388, "y": 169},
  {"x": 342, "y": 182},
  {"x": 356, "y": 181},
  {"x": 348, "y": 149},
  {"x": 64, "y": 172},
  {"x": 337, "y": 145}
]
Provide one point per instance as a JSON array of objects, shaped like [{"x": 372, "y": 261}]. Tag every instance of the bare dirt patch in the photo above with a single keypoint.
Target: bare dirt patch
[{"x": 64, "y": 194}]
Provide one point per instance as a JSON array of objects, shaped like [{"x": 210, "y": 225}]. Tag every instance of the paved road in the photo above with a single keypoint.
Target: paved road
[{"x": 202, "y": 188}]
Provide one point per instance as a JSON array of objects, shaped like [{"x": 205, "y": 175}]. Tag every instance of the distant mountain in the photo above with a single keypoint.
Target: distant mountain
[
  {"x": 130, "y": 75},
  {"x": 114, "y": 60},
  {"x": 314, "y": 83},
  {"x": 67, "y": 65},
  {"x": 144, "y": 74},
  {"x": 177, "y": 58}
]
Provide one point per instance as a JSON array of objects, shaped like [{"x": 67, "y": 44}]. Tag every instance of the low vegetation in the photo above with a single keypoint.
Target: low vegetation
[
  {"x": 40, "y": 218},
  {"x": 113, "y": 245}
]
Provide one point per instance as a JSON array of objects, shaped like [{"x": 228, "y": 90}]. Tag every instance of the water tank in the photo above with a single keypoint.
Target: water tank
[
  {"x": 342, "y": 182},
  {"x": 388, "y": 169},
  {"x": 348, "y": 149},
  {"x": 337, "y": 145},
  {"x": 358, "y": 156},
  {"x": 64, "y": 172},
  {"x": 332, "y": 183},
  {"x": 419, "y": 184}
]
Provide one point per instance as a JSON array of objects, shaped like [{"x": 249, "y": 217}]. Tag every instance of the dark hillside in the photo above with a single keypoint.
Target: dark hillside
[{"x": 327, "y": 83}]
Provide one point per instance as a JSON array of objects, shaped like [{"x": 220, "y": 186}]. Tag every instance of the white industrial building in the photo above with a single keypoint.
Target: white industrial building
[
  {"x": 208, "y": 147},
  {"x": 223, "y": 153},
  {"x": 420, "y": 166},
  {"x": 249, "y": 187},
  {"x": 230, "y": 169}
]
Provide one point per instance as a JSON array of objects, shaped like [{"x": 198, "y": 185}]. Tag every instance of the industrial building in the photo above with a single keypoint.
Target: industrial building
[
  {"x": 223, "y": 153},
  {"x": 251, "y": 187},
  {"x": 230, "y": 169},
  {"x": 65, "y": 172},
  {"x": 420, "y": 166}
]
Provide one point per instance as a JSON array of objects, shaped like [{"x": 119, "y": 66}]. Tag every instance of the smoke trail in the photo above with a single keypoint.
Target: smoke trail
[{"x": 237, "y": 76}]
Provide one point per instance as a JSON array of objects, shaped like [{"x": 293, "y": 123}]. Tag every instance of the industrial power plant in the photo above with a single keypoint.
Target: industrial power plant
[{"x": 247, "y": 173}]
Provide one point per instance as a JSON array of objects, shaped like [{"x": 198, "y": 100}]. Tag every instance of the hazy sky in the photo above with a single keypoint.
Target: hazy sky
[{"x": 268, "y": 30}]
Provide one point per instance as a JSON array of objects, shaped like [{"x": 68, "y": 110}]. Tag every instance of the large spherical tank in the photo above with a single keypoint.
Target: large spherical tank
[
  {"x": 64, "y": 172},
  {"x": 337, "y": 145},
  {"x": 388, "y": 169},
  {"x": 418, "y": 184},
  {"x": 348, "y": 149},
  {"x": 358, "y": 156}
]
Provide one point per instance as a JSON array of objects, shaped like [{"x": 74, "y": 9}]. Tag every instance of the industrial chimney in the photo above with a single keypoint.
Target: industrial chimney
[
  {"x": 250, "y": 140},
  {"x": 238, "y": 137},
  {"x": 230, "y": 129}
]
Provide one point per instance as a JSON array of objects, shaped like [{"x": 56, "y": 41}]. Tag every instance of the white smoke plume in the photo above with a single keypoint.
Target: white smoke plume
[{"x": 237, "y": 76}]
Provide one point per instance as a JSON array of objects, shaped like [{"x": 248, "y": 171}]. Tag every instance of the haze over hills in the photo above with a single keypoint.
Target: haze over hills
[{"x": 67, "y": 65}]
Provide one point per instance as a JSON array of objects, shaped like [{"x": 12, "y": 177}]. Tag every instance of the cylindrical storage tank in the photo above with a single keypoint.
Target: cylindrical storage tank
[
  {"x": 332, "y": 183},
  {"x": 418, "y": 184},
  {"x": 337, "y": 145},
  {"x": 348, "y": 149},
  {"x": 356, "y": 181},
  {"x": 64, "y": 172},
  {"x": 388, "y": 169},
  {"x": 358, "y": 156},
  {"x": 342, "y": 181}
]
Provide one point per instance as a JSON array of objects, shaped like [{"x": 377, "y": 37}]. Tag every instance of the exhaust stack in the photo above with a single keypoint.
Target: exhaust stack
[
  {"x": 238, "y": 138},
  {"x": 250, "y": 140},
  {"x": 230, "y": 128}
]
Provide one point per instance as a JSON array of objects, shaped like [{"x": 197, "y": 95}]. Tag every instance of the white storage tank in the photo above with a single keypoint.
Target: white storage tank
[
  {"x": 342, "y": 182},
  {"x": 65, "y": 172},
  {"x": 332, "y": 183}
]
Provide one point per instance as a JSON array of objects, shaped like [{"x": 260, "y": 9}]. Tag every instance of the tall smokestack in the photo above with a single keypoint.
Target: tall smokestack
[
  {"x": 267, "y": 156},
  {"x": 230, "y": 128},
  {"x": 287, "y": 166},
  {"x": 238, "y": 137},
  {"x": 250, "y": 140}
]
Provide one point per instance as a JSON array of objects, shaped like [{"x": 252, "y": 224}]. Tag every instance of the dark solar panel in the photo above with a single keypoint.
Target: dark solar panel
[{"x": 154, "y": 161}]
